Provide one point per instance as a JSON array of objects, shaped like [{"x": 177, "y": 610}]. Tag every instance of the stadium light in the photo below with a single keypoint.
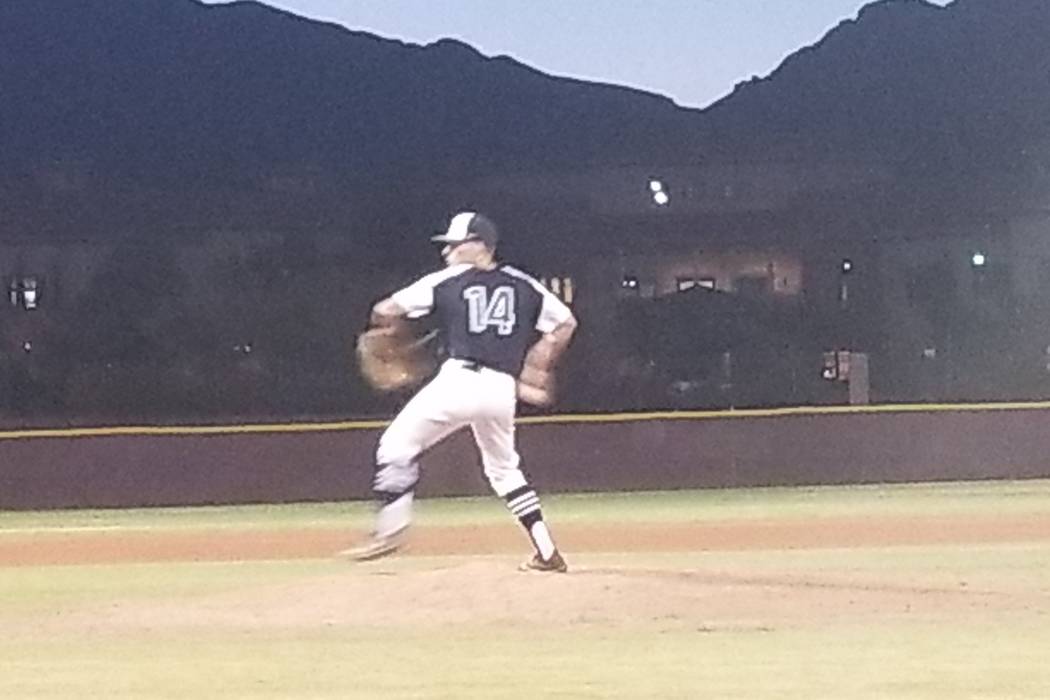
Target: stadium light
[{"x": 659, "y": 191}]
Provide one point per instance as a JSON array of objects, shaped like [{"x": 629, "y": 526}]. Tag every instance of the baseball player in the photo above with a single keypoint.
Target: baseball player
[{"x": 497, "y": 321}]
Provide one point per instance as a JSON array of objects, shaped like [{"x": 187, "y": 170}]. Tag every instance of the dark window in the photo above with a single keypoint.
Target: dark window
[
  {"x": 754, "y": 287},
  {"x": 930, "y": 287}
]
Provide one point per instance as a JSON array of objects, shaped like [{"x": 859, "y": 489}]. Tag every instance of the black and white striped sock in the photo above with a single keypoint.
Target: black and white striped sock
[{"x": 525, "y": 505}]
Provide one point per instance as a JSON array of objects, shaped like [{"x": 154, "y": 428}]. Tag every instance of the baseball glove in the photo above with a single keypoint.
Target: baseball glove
[
  {"x": 536, "y": 382},
  {"x": 391, "y": 358}
]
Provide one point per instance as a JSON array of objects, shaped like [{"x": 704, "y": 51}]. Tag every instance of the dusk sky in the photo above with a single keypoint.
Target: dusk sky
[{"x": 693, "y": 51}]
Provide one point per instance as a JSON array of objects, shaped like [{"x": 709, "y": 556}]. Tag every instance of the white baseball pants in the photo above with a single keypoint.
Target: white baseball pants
[{"x": 460, "y": 395}]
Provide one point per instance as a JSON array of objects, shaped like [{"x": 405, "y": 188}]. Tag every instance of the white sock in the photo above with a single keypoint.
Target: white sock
[
  {"x": 395, "y": 516},
  {"x": 541, "y": 537}
]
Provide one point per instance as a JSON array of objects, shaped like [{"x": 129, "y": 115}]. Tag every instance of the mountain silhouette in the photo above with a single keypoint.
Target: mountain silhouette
[
  {"x": 907, "y": 81},
  {"x": 119, "y": 100},
  {"x": 161, "y": 91}
]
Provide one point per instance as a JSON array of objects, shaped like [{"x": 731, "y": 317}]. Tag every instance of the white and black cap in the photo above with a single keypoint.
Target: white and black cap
[{"x": 470, "y": 226}]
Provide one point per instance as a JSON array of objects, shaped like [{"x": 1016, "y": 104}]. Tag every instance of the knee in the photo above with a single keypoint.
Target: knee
[
  {"x": 504, "y": 478},
  {"x": 397, "y": 469},
  {"x": 394, "y": 451},
  {"x": 395, "y": 478}
]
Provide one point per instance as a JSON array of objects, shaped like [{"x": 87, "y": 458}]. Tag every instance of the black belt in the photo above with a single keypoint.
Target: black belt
[{"x": 476, "y": 365}]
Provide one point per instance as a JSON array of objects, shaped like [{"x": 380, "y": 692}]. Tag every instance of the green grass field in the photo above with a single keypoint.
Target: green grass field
[{"x": 937, "y": 621}]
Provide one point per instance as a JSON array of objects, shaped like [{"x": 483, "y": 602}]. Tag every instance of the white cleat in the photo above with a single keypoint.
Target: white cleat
[{"x": 375, "y": 548}]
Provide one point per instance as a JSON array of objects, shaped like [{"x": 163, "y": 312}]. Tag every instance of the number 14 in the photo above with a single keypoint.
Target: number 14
[{"x": 497, "y": 311}]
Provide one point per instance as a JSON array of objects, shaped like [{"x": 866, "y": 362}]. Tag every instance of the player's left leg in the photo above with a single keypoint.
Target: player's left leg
[{"x": 494, "y": 435}]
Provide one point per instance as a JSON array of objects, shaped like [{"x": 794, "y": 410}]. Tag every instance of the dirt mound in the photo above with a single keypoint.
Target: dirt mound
[{"x": 489, "y": 590}]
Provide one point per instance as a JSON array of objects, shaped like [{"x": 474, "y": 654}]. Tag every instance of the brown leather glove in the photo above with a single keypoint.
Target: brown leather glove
[
  {"x": 536, "y": 384},
  {"x": 391, "y": 358}
]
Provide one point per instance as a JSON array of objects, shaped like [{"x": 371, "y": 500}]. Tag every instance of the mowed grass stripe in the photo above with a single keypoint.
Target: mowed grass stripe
[{"x": 931, "y": 499}]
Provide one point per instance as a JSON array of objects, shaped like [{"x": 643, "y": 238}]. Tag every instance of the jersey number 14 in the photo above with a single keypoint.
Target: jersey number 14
[{"x": 484, "y": 311}]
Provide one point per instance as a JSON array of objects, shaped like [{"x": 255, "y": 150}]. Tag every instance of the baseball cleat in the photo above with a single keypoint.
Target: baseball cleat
[
  {"x": 555, "y": 564},
  {"x": 375, "y": 548}
]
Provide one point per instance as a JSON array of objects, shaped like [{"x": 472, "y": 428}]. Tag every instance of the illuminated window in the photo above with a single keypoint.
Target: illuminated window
[
  {"x": 561, "y": 287},
  {"x": 686, "y": 283},
  {"x": 25, "y": 292},
  {"x": 836, "y": 366}
]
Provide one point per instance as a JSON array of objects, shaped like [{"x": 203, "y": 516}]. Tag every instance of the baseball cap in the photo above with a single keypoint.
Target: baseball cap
[{"x": 470, "y": 226}]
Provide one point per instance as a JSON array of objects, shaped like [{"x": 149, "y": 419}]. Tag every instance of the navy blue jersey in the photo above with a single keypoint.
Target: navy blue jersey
[{"x": 489, "y": 316}]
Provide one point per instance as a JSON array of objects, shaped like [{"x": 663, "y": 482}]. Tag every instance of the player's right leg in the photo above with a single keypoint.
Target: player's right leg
[{"x": 494, "y": 435}]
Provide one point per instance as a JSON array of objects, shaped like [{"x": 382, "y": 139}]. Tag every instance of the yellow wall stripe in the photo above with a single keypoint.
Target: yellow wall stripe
[
  {"x": 142, "y": 430},
  {"x": 786, "y": 411},
  {"x": 564, "y": 419}
]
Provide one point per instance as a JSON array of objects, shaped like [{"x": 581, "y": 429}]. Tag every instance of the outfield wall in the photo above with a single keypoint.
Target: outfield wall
[{"x": 321, "y": 462}]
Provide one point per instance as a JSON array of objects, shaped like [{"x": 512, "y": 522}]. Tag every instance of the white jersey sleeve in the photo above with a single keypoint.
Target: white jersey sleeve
[
  {"x": 417, "y": 299},
  {"x": 553, "y": 312}
]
